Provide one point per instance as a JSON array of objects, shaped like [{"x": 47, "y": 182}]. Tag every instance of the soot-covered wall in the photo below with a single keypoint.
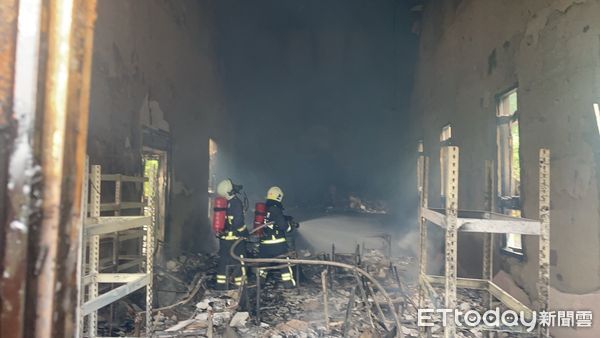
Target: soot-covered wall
[
  {"x": 472, "y": 50},
  {"x": 159, "y": 54}
]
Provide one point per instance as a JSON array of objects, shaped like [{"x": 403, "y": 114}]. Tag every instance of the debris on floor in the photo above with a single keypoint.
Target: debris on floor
[
  {"x": 188, "y": 305},
  {"x": 295, "y": 312}
]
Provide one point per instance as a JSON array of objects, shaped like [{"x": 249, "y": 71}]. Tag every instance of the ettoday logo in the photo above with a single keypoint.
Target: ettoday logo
[{"x": 497, "y": 319}]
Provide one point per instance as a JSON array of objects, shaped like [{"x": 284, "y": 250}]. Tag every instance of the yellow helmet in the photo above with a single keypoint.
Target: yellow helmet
[
  {"x": 225, "y": 189},
  {"x": 275, "y": 194}
]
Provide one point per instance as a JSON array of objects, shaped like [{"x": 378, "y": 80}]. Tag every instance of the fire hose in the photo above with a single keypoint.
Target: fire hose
[{"x": 353, "y": 268}]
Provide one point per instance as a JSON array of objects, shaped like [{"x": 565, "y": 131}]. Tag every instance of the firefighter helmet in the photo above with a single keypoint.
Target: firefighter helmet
[
  {"x": 275, "y": 194},
  {"x": 225, "y": 189}
]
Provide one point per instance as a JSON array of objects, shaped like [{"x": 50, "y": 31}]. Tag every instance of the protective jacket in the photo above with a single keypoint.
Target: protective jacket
[
  {"x": 273, "y": 242},
  {"x": 235, "y": 228}
]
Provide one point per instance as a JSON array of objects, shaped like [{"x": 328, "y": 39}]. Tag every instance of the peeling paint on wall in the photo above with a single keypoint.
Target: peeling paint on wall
[
  {"x": 152, "y": 116},
  {"x": 539, "y": 20},
  {"x": 553, "y": 56}
]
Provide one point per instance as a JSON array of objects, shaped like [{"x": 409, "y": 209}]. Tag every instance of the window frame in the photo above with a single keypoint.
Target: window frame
[{"x": 509, "y": 194}]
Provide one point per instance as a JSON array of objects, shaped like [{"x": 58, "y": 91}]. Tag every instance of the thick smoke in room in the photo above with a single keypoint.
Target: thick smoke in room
[{"x": 318, "y": 94}]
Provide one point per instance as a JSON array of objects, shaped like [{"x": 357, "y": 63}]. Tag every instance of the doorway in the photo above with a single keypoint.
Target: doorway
[{"x": 155, "y": 172}]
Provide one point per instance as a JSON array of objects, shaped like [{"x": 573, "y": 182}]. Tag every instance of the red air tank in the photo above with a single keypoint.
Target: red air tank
[
  {"x": 219, "y": 213},
  {"x": 260, "y": 212}
]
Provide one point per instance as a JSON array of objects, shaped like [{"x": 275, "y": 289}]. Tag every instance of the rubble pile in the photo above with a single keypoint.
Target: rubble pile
[
  {"x": 180, "y": 272},
  {"x": 300, "y": 311},
  {"x": 178, "y": 285},
  {"x": 295, "y": 312}
]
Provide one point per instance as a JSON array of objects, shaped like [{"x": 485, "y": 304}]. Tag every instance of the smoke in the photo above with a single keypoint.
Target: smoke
[
  {"x": 409, "y": 243},
  {"x": 343, "y": 231},
  {"x": 317, "y": 94}
]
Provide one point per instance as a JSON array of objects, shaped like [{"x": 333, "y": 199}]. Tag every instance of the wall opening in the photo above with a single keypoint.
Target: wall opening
[
  {"x": 155, "y": 163},
  {"x": 213, "y": 151},
  {"x": 509, "y": 165}
]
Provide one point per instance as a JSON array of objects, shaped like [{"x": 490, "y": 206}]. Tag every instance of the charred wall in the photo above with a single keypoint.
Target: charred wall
[
  {"x": 472, "y": 50},
  {"x": 157, "y": 57}
]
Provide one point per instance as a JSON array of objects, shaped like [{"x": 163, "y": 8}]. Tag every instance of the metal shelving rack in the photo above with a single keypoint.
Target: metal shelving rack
[
  {"x": 91, "y": 274},
  {"x": 118, "y": 238},
  {"x": 452, "y": 220}
]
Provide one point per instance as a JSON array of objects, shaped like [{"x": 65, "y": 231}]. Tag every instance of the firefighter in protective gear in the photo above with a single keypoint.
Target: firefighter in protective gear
[
  {"x": 235, "y": 228},
  {"x": 274, "y": 242}
]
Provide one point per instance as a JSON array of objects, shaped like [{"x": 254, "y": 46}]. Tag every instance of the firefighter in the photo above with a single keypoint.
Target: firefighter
[
  {"x": 274, "y": 239},
  {"x": 235, "y": 228}
]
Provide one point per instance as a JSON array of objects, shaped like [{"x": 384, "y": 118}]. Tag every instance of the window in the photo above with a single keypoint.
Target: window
[
  {"x": 509, "y": 165},
  {"x": 155, "y": 170},
  {"x": 212, "y": 166},
  {"x": 445, "y": 140}
]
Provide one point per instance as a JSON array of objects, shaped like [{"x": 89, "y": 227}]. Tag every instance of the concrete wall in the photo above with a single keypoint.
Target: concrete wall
[
  {"x": 160, "y": 51},
  {"x": 472, "y": 50}
]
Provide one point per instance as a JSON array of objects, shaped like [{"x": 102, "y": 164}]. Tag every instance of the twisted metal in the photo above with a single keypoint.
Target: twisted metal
[{"x": 352, "y": 268}]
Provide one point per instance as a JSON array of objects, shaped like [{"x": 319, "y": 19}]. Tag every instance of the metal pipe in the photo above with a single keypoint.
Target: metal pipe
[
  {"x": 325, "y": 301},
  {"x": 378, "y": 307},
  {"x": 297, "y": 278},
  {"x": 332, "y": 274},
  {"x": 363, "y": 294},
  {"x": 349, "y": 312},
  {"x": 258, "y": 297},
  {"x": 209, "y": 332}
]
